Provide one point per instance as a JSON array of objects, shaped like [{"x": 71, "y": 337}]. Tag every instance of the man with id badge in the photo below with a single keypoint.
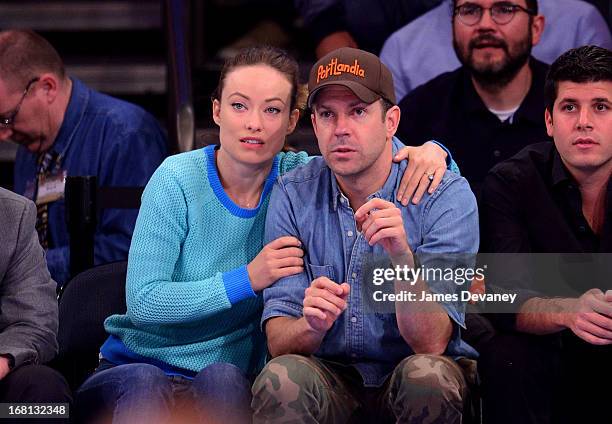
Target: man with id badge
[{"x": 66, "y": 129}]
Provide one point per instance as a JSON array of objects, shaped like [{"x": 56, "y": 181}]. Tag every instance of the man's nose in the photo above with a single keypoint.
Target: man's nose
[
  {"x": 486, "y": 20},
  {"x": 341, "y": 125},
  {"x": 584, "y": 119}
]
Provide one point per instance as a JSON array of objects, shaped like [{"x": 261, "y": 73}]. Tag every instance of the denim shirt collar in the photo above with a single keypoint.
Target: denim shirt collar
[
  {"x": 387, "y": 190},
  {"x": 77, "y": 105}
]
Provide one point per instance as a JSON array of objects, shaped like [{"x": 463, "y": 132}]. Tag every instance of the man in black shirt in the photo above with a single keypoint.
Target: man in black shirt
[
  {"x": 492, "y": 106},
  {"x": 557, "y": 198}
]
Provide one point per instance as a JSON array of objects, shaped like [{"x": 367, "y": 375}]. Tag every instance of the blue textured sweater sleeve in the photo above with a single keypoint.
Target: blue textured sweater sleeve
[
  {"x": 153, "y": 297},
  {"x": 451, "y": 165},
  {"x": 291, "y": 160},
  {"x": 238, "y": 284}
]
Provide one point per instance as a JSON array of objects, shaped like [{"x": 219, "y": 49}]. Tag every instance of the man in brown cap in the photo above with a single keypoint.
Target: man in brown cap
[{"x": 345, "y": 344}]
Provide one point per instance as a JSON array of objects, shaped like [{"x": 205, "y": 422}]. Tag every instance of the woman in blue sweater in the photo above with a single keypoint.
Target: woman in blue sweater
[{"x": 197, "y": 264}]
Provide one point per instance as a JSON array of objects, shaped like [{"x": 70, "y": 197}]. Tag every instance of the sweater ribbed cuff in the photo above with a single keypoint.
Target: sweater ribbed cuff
[{"x": 237, "y": 285}]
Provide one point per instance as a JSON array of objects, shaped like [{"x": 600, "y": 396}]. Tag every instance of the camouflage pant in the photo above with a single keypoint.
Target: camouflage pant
[{"x": 423, "y": 389}]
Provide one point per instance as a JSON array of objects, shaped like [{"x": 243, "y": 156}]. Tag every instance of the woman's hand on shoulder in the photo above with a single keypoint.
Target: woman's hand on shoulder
[{"x": 426, "y": 167}]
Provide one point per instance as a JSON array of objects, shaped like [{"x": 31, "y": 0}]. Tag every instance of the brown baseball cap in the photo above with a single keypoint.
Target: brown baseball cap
[{"x": 360, "y": 71}]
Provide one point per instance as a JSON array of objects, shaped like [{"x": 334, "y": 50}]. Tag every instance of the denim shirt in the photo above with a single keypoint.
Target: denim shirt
[
  {"x": 118, "y": 142},
  {"x": 307, "y": 203}
]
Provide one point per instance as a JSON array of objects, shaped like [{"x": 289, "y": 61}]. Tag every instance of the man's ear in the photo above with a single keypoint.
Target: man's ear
[
  {"x": 548, "y": 119},
  {"x": 50, "y": 84},
  {"x": 216, "y": 111},
  {"x": 313, "y": 119},
  {"x": 392, "y": 119},
  {"x": 537, "y": 28}
]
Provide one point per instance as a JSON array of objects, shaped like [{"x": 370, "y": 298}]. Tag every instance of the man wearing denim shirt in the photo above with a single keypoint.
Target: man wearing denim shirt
[{"x": 333, "y": 357}]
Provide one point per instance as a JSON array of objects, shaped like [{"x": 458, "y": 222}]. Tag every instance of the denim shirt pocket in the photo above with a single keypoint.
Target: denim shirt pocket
[{"x": 317, "y": 271}]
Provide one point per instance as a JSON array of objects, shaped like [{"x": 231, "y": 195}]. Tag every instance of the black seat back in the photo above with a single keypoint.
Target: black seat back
[{"x": 84, "y": 303}]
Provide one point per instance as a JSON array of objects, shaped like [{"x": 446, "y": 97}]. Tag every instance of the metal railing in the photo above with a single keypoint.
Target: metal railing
[
  {"x": 84, "y": 201},
  {"x": 181, "y": 121}
]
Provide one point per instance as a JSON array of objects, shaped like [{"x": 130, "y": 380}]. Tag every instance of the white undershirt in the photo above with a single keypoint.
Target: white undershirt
[{"x": 504, "y": 115}]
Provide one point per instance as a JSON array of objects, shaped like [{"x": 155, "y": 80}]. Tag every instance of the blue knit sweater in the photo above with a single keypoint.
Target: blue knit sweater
[{"x": 189, "y": 298}]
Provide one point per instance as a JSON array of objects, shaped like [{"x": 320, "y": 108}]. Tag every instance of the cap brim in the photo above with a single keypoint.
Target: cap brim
[{"x": 365, "y": 94}]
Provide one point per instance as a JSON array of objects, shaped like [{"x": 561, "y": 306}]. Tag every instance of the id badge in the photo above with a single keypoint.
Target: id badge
[{"x": 51, "y": 188}]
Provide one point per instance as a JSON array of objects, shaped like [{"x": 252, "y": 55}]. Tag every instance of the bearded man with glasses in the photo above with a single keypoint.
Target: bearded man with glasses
[
  {"x": 422, "y": 49},
  {"x": 64, "y": 128},
  {"x": 491, "y": 107},
  {"x": 487, "y": 111}
]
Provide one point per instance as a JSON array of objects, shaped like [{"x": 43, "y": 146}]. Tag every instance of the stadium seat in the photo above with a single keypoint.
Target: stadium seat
[{"x": 84, "y": 303}]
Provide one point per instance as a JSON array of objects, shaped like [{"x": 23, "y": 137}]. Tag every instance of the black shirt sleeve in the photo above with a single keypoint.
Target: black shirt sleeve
[{"x": 504, "y": 235}]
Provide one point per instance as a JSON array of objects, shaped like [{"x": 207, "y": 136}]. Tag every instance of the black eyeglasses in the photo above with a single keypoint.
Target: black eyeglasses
[
  {"x": 9, "y": 120},
  {"x": 501, "y": 13}
]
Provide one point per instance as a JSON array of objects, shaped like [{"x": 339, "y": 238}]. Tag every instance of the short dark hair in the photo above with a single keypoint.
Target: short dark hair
[
  {"x": 24, "y": 55},
  {"x": 266, "y": 55},
  {"x": 531, "y": 5},
  {"x": 580, "y": 65}
]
